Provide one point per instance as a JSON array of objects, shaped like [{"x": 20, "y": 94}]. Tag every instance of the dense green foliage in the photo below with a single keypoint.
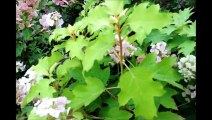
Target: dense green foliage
[{"x": 76, "y": 62}]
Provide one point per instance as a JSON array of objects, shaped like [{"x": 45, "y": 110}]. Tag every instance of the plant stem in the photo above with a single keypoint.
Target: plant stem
[
  {"x": 112, "y": 88},
  {"x": 114, "y": 97},
  {"x": 183, "y": 104},
  {"x": 91, "y": 116},
  {"x": 94, "y": 117},
  {"x": 130, "y": 63},
  {"x": 56, "y": 87},
  {"x": 120, "y": 42}
]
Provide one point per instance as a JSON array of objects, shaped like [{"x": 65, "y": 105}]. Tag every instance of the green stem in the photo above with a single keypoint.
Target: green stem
[
  {"x": 120, "y": 42},
  {"x": 114, "y": 97},
  {"x": 112, "y": 88}
]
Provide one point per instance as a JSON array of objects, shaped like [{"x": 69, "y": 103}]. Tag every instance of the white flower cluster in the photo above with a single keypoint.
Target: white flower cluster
[
  {"x": 187, "y": 67},
  {"x": 20, "y": 66},
  {"x": 160, "y": 50},
  {"x": 51, "y": 19},
  {"x": 189, "y": 93},
  {"x": 51, "y": 106},
  {"x": 127, "y": 50},
  {"x": 24, "y": 84}
]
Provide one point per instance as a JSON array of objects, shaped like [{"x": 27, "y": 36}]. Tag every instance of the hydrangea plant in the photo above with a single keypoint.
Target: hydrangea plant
[{"x": 115, "y": 62}]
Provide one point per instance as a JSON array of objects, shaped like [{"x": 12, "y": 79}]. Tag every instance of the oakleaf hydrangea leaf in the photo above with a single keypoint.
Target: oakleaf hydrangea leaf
[
  {"x": 97, "y": 18},
  {"x": 66, "y": 66},
  {"x": 143, "y": 19},
  {"x": 57, "y": 47},
  {"x": 181, "y": 18},
  {"x": 168, "y": 116},
  {"x": 42, "y": 89},
  {"x": 176, "y": 41},
  {"x": 114, "y": 7},
  {"x": 85, "y": 94},
  {"x": 156, "y": 36},
  {"x": 103, "y": 74},
  {"x": 114, "y": 113},
  {"x": 187, "y": 47},
  {"x": 167, "y": 101},
  {"x": 139, "y": 86},
  {"x": 58, "y": 34},
  {"x": 190, "y": 30},
  {"x": 44, "y": 64},
  {"x": 97, "y": 49},
  {"x": 75, "y": 47},
  {"x": 163, "y": 70},
  {"x": 94, "y": 105}
]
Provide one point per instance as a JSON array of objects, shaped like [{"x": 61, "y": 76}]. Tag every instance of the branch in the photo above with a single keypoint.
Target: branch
[
  {"x": 112, "y": 88},
  {"x": 114, "y": 97}
]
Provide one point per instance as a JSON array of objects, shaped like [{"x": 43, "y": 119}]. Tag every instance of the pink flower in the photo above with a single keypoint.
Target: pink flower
[
  {"x": 62, "y": 3},
  {"x": 24, "y": 6},
  {"x": 30, "y": 25},
  {"x": 21, "y": 26},
  {"x": 31, "y": 2},
  {"x": 127, "y": 50},
  {"x": 46, "y": 21},
  {"x": 18, "y": 19}
]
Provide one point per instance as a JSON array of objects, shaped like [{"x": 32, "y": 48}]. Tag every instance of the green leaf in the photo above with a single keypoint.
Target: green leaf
[
  {"x": 75, "y": 47},
  {"x": 103, "y": 74},
  {"x": 67, "y": 93},
  {"x": 139, "y": 86},
  {"x": 156, "y": 36},
  {"x": 66, "y": 66},
  {"x": 42, "y": 89},
  {"x": 27, "y": 33},
  {"x": 19, "y": 49},
  {"x": 111, "y": 102},
  {"x": 89, "y": 3},
  {"x": 167, "y": 101},
  {"x": 49, "y": 3},
  {"x": 58, "y": 34},
  {"x": 64, "y": 80},
  {"x": 180, "y": 19},
  {"x": 26, "y": 110},
  {"x": 85, "y": 94},
  {"x": 114, "y": 113},
  {"x": 34, "y": 116},
  {"x": 44, "y": 64},
  {"x": 57, "y": 47},
  {"x": 168, "y": 116},
  {"x": 187, "y": 47},
  {"x": 77, "y": 116},
  {"x": 144, "y": 19},
  {"x": 94, "y": 105},
  {"x": 190, "y": 30},
  {"x": 169, "y": 29},
  {"x": 97, "y": 18},
  {"x": 176, "y": 41},
  {"x": 163, "y": 70},
  {"x": 77, "y": 74},
  {"x": 115, "y": 7},
  {"x": 97, "y": 49},
  {"x": 127, "y": 2}
]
